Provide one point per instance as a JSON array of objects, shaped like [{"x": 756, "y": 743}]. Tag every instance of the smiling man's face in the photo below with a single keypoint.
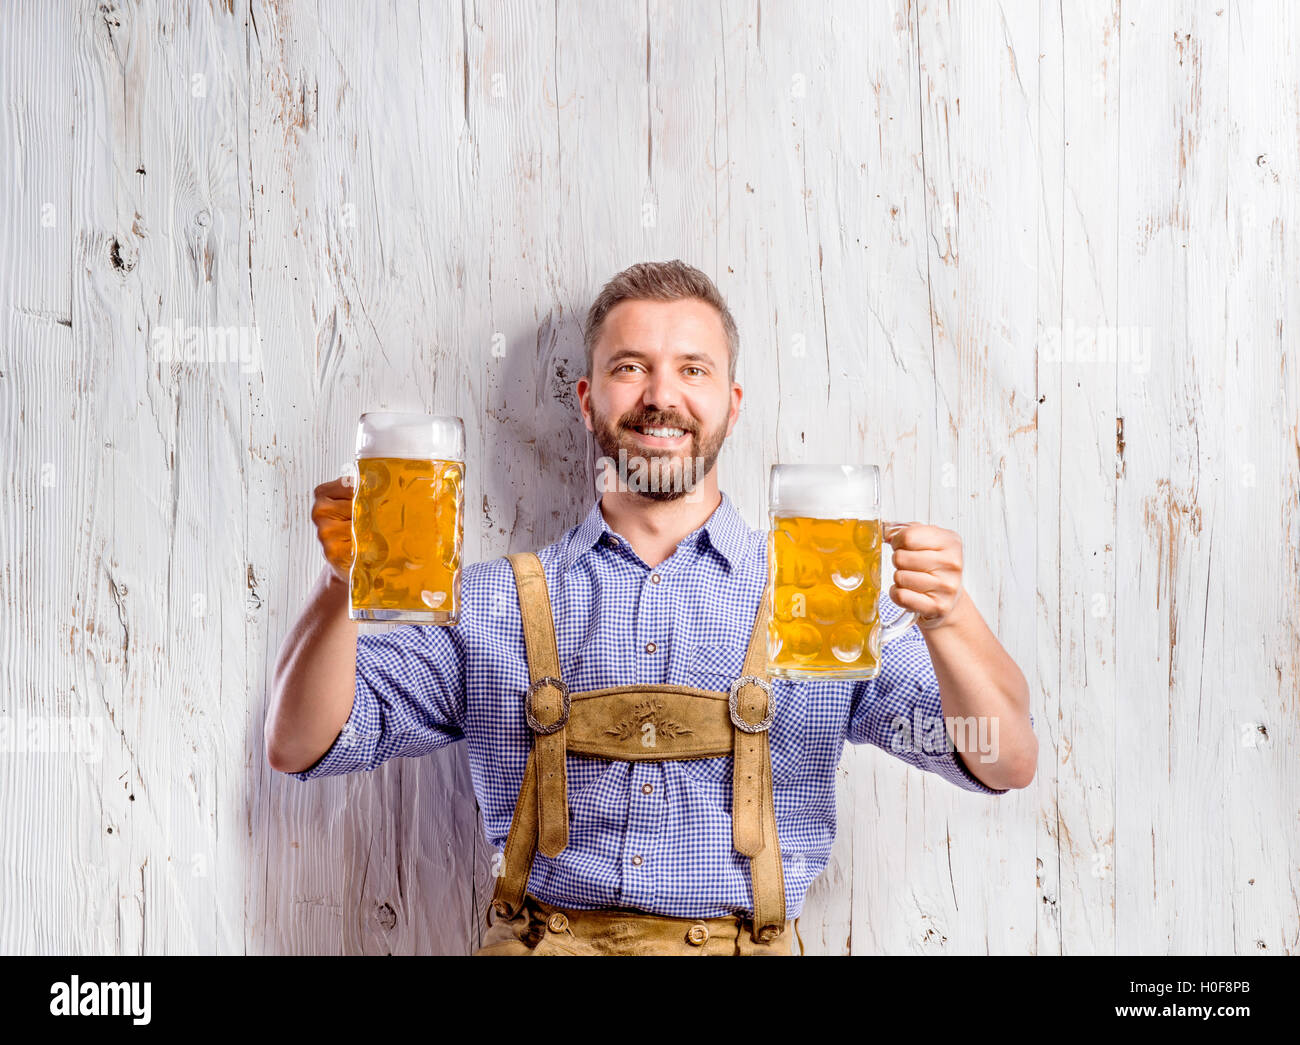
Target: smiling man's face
[{"x": 661, "y": 364}]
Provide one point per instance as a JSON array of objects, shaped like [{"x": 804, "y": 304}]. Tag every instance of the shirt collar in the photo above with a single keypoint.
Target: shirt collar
[{"x": 726, "y": 530}]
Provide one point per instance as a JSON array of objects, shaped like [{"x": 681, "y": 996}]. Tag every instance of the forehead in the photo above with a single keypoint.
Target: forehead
[{"x": 672, "y": 328}]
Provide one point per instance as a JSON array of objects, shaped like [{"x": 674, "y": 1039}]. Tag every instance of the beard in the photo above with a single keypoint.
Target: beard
[{"x": 696, "y": 458}]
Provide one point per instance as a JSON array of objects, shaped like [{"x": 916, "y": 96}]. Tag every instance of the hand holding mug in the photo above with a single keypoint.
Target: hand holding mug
[
  {"x": 927, "y": 570},
  {"x": 332, "y": 515}
]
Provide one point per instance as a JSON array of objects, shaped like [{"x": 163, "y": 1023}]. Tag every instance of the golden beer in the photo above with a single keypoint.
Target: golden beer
[
  {"x": 824, "y": 557},
  {"x": 408, "y": 520},
  {"x": 827, "y": 581}
]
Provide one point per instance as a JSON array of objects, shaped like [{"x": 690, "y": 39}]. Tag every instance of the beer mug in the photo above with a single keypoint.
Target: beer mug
[
  {"x": 824, "y": 553},
  {"x": 408, "y": 509}
]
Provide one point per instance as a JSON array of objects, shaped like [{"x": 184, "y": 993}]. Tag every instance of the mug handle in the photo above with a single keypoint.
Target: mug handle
[{"x": 889, "y": 632}]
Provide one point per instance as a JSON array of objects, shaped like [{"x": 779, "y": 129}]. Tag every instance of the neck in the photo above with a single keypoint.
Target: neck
[{"x": 655, "y": 528}]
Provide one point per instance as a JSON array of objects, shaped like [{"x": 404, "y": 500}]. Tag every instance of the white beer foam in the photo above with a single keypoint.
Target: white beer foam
[
  {"x": 827, "y": 491},
  {"x": 413, "y": 436}
]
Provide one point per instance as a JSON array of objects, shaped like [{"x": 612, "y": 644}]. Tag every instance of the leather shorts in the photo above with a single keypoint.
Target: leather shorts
[{"x": 542, "y": 928}]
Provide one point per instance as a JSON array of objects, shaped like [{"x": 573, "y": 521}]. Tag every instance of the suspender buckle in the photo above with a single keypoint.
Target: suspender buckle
[
  {"x": 733, "y": 704},
  {"x": 562, "y": 686}
]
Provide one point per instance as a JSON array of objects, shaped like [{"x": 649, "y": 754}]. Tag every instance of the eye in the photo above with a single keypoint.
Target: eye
[{"x": 699, "y": 368}]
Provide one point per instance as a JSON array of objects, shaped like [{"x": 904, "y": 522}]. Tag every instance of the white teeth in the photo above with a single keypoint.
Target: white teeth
[{"x": 663, "y": 433}]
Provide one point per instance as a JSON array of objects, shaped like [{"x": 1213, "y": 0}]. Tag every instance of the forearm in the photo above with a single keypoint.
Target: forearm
[
  {"x": 315, "y": 679},
  {"x": 980, "y": 684}
]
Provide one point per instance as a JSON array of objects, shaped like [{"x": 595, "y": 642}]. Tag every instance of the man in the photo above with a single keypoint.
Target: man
[{"x": 655, "y": 596}]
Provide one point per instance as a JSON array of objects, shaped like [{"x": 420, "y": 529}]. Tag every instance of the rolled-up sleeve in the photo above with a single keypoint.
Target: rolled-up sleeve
[
  {"x": 900, "y": 711},
  {"x": 409, "y": 699}
]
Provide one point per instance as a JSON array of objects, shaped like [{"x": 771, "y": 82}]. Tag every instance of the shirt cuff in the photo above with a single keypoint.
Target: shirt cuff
[
  {"x": 951, "y": 765},
  {"x": 355, "y": 746}
]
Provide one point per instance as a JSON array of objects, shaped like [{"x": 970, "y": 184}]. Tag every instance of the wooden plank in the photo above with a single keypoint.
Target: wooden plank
[
  {"x": 1172, "y": 730},
  {"x": 42, "y": 678},
  {"x": 298, "y": 850},
  {"x": 1254, "y": 551},
  {"x": 1079, "y": 463},
  {"x": 158, "y": 262},
  {"x": 965, "y": 392}
]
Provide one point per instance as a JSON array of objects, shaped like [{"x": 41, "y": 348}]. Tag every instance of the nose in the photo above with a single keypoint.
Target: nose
[{"x": 662, "y": 393}]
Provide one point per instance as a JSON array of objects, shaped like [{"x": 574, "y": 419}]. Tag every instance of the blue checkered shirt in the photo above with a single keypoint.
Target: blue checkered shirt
[{"x": 618, "y": 622}]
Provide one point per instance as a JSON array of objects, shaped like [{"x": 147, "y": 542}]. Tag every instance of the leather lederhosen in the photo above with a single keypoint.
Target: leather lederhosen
[{"x": 612, "y": 723}]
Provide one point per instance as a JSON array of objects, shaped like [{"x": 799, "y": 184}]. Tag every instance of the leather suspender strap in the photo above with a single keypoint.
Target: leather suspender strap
[
  {"x": 751, "y": 749},
  {"x": 540, "y": 820},
  {"x": 546, "y": 703},
  {"x": 767, "y": 878},
  {"x": 521, "y": 845},
  {"x": 546, "y": 706},
  {"x": 753, "y": 807}
]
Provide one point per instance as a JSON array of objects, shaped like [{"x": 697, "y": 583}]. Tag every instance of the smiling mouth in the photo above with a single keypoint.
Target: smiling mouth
[
  {"x": 659, "y": 435},
  {"x": 671, "y": 431}
]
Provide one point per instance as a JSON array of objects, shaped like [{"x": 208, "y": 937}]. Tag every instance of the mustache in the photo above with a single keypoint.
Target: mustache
[{"x": 646, "y": 422}]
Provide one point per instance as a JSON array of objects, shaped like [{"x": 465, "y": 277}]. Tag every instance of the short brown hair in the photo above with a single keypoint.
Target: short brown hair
[{"x": 660, "y": 281}]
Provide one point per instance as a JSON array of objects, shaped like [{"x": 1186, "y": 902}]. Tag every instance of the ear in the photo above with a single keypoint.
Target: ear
[
  {"x": 736, "y": 393},
  {"x": 583, "y": 389}
]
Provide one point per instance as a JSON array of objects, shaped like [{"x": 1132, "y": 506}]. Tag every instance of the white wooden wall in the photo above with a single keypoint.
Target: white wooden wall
[{"x": 914, "y": 209}]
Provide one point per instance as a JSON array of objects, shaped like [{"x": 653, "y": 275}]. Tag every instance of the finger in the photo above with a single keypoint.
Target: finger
[
  {"x": 891, "y": 529},
  {"x": 904, "y": 530},
  {"x": 327, "y": 507},
  {"x": 336, "y": 489},
  {"x": 920, "y": 537},
  {"x": 913, "y": 600},
  {"x": 331, "y": 508},
  {"x": 905, "y": 559},
  {"x": 338, "y": 551},
  {"x": 928, "y": 560},
  {"x": 926, "y": 583},
  {"x": 331, "y": 511},
  {"x": 335, "y": 530}
]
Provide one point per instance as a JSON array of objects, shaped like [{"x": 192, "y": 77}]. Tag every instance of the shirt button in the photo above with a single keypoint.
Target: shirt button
[
  {"x": 650, "y": 647},
  {"x": 655, "y": 578},
  {"x": 646, "y": 788},
  {"x": 697, "y": 934},
  {"x": 557, "y": 922},
  {"x": 636, "y": 861}
]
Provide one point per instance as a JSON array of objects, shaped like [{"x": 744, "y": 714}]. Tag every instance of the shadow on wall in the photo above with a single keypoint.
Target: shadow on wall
[{"x": 537, "y": 462}]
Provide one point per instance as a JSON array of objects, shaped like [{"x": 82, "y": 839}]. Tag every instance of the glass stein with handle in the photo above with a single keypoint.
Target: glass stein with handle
[{"x": 824, "y": 556}]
